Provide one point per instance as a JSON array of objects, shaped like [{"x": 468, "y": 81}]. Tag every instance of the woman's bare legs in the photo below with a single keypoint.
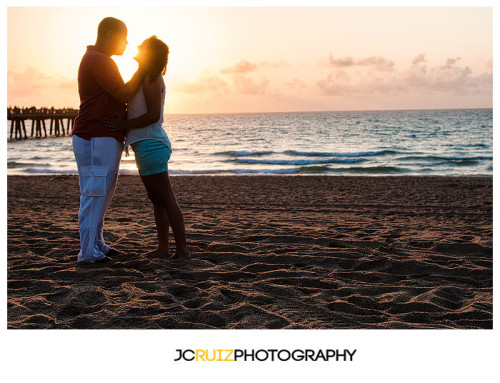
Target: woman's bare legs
[
  {"x": 162, "y": 226},
  {"x": 160, "y": 192}
]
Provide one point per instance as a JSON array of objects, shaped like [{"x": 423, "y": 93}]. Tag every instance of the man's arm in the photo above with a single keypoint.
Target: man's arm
[
  {"x": 127, "y": 90},
  {"x": 107, "y": 75},
  {"x": 152, "y": 95}
]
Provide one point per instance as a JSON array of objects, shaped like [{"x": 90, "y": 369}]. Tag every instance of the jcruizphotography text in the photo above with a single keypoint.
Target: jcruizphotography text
[{"x": 261, "y": 355}]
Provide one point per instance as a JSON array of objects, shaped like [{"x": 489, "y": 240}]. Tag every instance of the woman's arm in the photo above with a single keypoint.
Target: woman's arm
[{"x": 152, "y": 94}]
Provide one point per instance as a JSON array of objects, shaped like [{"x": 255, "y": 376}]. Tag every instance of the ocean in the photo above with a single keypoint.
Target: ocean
[{"x": 416, "y": 142}]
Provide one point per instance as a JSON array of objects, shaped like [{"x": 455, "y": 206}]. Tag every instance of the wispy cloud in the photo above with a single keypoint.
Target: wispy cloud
[
  {"x": 206, "y": 84},
  {"x": 296, "y": 84},
  {"x": 242, "y": 67},
  {"x": 275, "y": 65},
  {"x": 336, "y": 83},
  {"x": 246, "y": 85},
  {"x": 447, "y": 78},
  {"x": 376, "y": 62},
  {"x": 40, "y": 89},
  {"x": 419, "y": 59},
  {"x": 237, "y": 84},
  {"x": 245, "y": 66}
]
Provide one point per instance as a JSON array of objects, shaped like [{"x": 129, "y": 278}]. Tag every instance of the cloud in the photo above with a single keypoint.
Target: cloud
[
  {"x": 336, "y": 83},
  {"x": 68, "y": 84},
  {"x": 33, "y": 87},
  {"x": 275, "y": 65},
  {"x": 446, "y": 78},
  {"x": 449, "y": 78},
  {"x": 377, "y": 62},
  {"x": 206, "y": 84},
  {"x": 242, "y": 67},
  {"x": 489, "y": 64},
  {"x": 213, "y": 84},
  {"x": 245, "y": 66},
  {"x": 246, "y": 85},
  {"x": 33, "y": 82},
  {"x": 296, "y": 84},
  {"x": 419, "y": 59}
]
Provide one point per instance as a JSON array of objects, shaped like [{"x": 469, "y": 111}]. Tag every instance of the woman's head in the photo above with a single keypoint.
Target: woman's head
[{"x": 152, "y": 56}]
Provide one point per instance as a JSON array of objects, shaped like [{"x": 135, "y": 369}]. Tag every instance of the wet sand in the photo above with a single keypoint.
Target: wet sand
[{"x": 268, "y": 252}]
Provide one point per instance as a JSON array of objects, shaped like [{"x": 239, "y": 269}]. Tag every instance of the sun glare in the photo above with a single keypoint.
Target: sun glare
[{"x": 126, "y": 63}]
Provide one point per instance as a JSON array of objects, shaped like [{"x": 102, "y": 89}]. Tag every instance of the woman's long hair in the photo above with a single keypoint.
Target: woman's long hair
[{"x": 157, "y": 57}]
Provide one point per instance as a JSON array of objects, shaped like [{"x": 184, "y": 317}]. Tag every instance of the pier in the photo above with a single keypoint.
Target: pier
[{"x": 19, "y": 116}]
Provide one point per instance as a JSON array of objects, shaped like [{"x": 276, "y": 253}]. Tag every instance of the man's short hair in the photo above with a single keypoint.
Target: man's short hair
[{"x": 110, "y": 24}]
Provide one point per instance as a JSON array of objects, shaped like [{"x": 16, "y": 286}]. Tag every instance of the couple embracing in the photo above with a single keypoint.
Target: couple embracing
[{"x": 114, "y": 115}]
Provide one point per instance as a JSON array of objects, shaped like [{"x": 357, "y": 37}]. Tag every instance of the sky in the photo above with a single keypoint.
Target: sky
[{"x": 268, "y": 59}]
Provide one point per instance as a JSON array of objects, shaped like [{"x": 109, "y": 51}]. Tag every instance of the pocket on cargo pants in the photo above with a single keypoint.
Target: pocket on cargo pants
[{"x": 94, "y": 181}]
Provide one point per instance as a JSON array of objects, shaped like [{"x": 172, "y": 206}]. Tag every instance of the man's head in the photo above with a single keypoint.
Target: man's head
[{"x": 112, "y": 35}]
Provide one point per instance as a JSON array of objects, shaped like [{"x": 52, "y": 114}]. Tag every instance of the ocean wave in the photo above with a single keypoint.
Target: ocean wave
[
  {"x": 49, "y": 171},
  {"x": 301, "y": 170},
  {"x": 268, "y": 171},
  {"x": 433, "y": 158},
  {"x": 305, "y": 170},
  {"x": 333, "y": 154},
  {"x": 372, "y": 170},
  {"x": 441, "y": 160},
  {"x": 298, "y": 162},
  {"x": 188, "y": 172},
  {"x": 244, "y": 153},
  {"x": 128, "y": 171},
  {"x": 314, "y": 170},
  {"x": 15, "y": 164},
  {"x": 476, "y": 145},
  {"x": 236, "y": 171}
]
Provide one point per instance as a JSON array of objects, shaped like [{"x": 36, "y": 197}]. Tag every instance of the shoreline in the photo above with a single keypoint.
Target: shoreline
[
  {"x": 315, "y": 252},
  {"x": 270, "y": 175}
]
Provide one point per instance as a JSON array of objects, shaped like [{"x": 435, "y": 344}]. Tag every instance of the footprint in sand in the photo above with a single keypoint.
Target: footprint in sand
[{"x": 193, "y": 303}]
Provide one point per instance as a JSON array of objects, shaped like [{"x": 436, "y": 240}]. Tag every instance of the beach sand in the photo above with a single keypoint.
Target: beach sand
[{"x": 284, "y": 252}]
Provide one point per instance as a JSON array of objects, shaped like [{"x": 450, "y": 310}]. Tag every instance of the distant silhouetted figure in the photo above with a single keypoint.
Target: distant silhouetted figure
[{"x": 97, "y": 149}]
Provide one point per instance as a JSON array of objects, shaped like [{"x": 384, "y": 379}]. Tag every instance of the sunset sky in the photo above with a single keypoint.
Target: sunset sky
[{"x": 268, "y": 59}]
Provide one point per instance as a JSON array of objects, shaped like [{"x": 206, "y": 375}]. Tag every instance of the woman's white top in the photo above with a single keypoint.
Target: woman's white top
[{"x": 137, "y": 107}]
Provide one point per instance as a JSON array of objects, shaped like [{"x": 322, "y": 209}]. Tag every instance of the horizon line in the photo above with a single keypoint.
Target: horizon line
[
  {"x": 289, "y": 111},
  {"x": 330, "y": 111}
]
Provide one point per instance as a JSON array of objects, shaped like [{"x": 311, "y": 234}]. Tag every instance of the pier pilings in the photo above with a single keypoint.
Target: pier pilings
[{"x": 58, "y": 119}]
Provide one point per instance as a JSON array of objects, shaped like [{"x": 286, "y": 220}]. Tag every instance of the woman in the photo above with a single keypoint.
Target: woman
[{"x": 152, "y": 147}]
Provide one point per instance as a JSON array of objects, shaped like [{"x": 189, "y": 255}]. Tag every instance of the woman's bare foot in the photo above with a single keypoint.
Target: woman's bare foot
[
  {"x": 181, "y": 256},
  {"x": 158, "y": 253}
]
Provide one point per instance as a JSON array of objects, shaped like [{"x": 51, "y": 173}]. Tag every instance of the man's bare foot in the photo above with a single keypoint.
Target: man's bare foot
[
  {"x": 158, "y": 253},
  {"x": 181, "y": 256}
]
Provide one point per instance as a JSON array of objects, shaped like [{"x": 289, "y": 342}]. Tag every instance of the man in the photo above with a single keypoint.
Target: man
[{"x": 97, "y": 149}]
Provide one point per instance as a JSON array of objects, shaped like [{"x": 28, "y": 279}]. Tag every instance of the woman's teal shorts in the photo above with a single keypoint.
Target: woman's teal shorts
[{"x": 151, "y": 156}]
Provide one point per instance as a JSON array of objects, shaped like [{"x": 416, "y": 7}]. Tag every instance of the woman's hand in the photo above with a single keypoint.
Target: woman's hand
[{"x": 115, "y": 125}]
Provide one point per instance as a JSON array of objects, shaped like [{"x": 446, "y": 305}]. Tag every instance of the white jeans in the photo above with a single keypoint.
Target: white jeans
[{"x": 98, "y": 160}]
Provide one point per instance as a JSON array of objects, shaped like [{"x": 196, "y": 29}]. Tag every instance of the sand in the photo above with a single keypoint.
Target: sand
[{"x": 286, "y": 252}]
